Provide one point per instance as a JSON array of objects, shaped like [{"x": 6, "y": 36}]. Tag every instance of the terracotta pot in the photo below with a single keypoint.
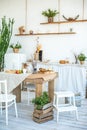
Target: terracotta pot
[
  {"x": 15, "y": 50},
  {"x": 81, "y": 62},
  {"x": 50, "y": 19}
]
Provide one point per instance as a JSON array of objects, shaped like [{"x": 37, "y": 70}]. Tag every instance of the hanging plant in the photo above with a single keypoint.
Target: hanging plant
[{"x": 6, "y": 30}]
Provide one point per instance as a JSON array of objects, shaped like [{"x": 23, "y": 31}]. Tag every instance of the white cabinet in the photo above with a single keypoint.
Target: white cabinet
[{"x": 14, "y": 61}]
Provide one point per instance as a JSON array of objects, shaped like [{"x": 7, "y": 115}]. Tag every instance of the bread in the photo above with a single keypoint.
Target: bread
[
  {"x": 42, "y": 70},
  {"x": 62, "y": 62}
]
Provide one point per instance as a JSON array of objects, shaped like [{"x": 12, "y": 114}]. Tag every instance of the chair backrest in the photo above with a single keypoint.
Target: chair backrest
[{"x": 3, "y": 88}]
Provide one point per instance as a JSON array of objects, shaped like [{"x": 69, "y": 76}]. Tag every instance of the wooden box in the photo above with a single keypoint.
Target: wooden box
[{"x": 43, "y": 115}]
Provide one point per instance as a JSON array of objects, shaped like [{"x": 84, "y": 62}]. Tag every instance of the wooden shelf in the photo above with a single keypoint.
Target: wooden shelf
[
  {"x": 61, "y": 22},
  {"x": 60, "y": 33}
]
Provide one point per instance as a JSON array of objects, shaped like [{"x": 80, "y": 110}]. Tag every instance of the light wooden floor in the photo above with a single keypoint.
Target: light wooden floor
[{"x": 24, "y": 121}]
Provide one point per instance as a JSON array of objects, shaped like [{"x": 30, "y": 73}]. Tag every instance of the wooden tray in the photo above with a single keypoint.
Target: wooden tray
[
  {"x": 10, "y": 71},
  {"x": 46, "y": 72}
]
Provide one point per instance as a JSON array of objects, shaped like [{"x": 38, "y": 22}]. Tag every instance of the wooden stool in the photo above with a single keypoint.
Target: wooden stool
[{"x": 64, "y": 107}]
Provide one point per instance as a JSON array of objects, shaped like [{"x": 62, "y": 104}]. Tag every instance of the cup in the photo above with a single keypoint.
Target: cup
[{"x": 24, "y": 71}]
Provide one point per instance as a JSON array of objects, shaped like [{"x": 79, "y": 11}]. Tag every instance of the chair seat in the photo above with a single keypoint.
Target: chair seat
[
  {"x": 30, "y": 87},
  {"x": 64, "y": 94},
  {"x": 66, "y": 107},
  {"x": 10, "y": 97}
]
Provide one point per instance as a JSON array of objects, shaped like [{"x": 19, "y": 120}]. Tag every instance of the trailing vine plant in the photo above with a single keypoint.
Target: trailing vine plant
[{"x": 6, "y": 30}]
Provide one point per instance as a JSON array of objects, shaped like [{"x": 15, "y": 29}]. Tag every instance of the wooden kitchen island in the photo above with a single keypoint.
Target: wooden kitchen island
[{"x": 39, "y": 79}]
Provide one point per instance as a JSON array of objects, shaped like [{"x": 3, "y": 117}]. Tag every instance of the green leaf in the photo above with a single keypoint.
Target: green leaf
[
  {"x": 5, "y": 37},
  {"x": 41, "y": 100}
]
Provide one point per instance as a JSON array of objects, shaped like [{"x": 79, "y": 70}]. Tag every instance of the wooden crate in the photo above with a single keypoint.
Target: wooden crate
[
  {"x": 43, "y": 119},
  {"x": 43, "y": 115}
]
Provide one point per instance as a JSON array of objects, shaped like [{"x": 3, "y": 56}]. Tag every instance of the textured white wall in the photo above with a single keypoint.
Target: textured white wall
[{"x": 55, "y": 47}]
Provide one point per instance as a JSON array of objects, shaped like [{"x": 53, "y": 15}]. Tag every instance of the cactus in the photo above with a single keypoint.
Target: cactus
[{"x": 5, "y": 37}]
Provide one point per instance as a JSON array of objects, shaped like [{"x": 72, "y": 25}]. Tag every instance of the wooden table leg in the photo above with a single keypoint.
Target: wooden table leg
[
  {"x": 17, "y": 92},
  {"x": 38, "y": 90},
  {"x": 51, "y": 89}
]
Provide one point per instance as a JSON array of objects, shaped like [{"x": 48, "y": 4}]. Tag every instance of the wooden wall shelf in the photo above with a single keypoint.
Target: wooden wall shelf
[
  {"x": 61, "y": 22},
  {"x": 60, "y": 33}
]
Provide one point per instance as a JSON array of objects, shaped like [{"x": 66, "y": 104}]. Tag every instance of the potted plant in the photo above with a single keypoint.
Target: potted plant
[
  {"x": 50, "y": 14},
  {"x": 6, "y": 30},
  {"x": 40, "y": 101},
  {"x": 16, "y": 47},
  {"x": 81, "y": 58},
  {"x": 43, "y": 110}
]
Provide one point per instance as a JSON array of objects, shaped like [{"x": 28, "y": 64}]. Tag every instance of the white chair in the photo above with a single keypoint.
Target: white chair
[
  {"x": 6, "y": 100},
  {"x": 30, "y": 89},
  {"x": 64, "y": 107}
]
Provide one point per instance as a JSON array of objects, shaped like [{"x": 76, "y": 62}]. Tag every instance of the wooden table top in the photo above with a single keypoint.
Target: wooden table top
[{"x": 41, "y": 78}]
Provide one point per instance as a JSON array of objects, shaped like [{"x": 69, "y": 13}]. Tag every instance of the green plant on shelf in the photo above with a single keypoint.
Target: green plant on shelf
[
  {"x": 81, "y": 57},
  {"x": 50, "y": 14},
  {"x": 17, "y": 46}
]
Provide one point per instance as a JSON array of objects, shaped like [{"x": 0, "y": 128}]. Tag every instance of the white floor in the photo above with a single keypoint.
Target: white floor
[{"x": 67, "y": 121}]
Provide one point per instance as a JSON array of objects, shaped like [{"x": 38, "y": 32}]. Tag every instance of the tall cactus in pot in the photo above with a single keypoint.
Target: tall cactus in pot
[{"x": 6, "y": 30}]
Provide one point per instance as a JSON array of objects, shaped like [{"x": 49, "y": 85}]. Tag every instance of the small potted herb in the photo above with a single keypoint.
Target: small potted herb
[
  {"x": 16, "y": 47},
  {"x": 40, "y": 101},
  {"x": 81, "y": 58},
  {"x": 50, "y": 14}
]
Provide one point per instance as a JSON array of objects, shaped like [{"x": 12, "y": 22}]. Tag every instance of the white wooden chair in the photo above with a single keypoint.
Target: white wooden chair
[
  {"x": 30, "y": 89},
  {"x": 6, "y": 100},
  {"x": 64, "y": 107}
]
